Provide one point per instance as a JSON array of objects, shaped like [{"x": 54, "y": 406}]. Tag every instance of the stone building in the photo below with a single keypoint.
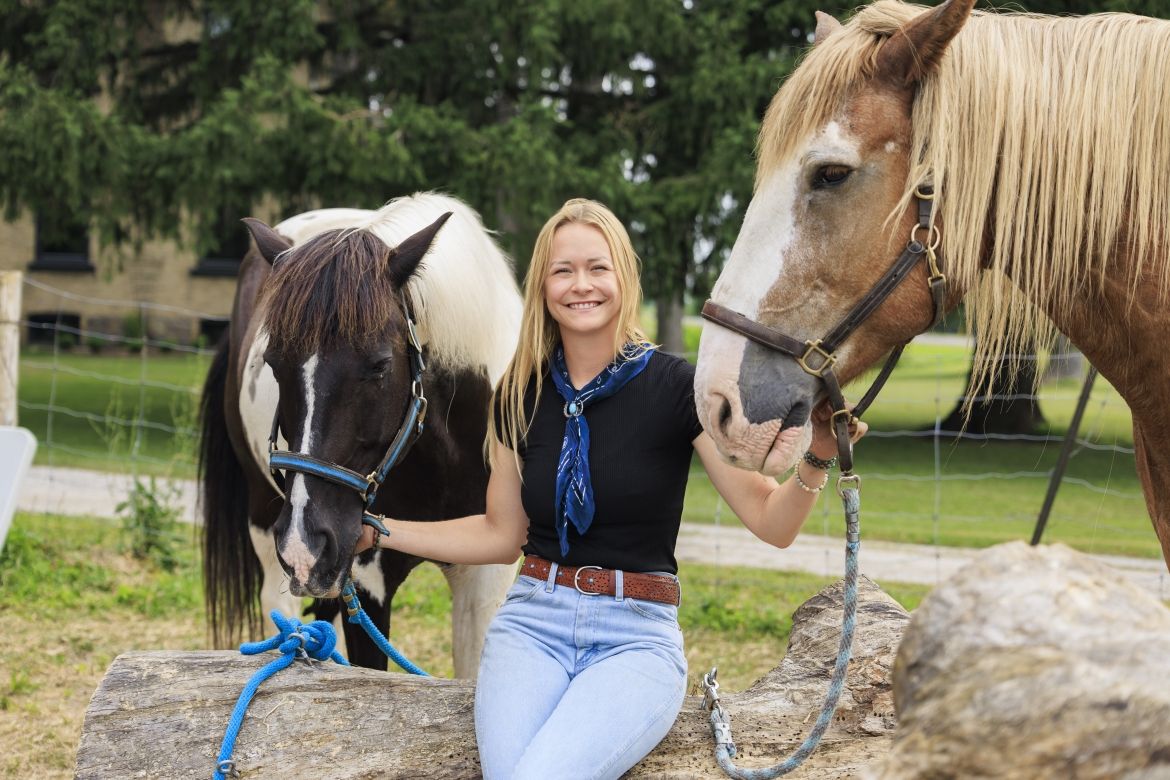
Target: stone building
[{"x": 72, "y": 284}]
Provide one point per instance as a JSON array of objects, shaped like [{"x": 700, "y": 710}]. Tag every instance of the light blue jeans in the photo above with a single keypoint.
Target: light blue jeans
[{"x": 575, "y": 686}]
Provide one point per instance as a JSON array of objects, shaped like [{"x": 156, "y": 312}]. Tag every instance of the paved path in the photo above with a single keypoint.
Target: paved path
[{"x": 78, "y": 492}]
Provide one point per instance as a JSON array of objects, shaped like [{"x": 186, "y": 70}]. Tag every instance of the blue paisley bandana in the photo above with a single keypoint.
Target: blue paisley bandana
[{"x": 574, "y": 486}]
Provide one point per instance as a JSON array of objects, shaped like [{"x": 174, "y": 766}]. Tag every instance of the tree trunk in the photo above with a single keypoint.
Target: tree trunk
[
  {"x": 1008, "y": 406},
  {"x": 163, "y": 714},
  {"x": 669, "y": 316}
]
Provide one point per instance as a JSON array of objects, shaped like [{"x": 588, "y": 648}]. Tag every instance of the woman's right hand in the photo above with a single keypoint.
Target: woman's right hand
[{"x": 368, "y": 539}]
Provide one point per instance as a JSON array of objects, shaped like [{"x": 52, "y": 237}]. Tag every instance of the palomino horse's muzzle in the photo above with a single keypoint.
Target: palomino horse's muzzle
[{"x": 817, "y": 357}]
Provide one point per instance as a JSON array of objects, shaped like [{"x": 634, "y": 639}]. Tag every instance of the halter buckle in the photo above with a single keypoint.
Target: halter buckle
[
  {"x": 848, "y": 414},
  {"x": 827, "y": 359}
]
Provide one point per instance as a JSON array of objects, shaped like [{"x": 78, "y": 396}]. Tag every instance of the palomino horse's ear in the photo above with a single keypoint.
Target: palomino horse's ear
[
  {"x": 268, "y": 241},
  {"x": 917, "y": 48},
  {"x": 826, "y": 26},
  {"x": 404, "y": 259}
]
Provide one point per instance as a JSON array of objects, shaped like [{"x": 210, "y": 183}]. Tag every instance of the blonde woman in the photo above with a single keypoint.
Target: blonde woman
[{"x": 592, "y": 434}]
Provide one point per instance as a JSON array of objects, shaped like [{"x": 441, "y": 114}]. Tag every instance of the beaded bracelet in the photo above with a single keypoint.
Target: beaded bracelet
[
  {"x": 805, "y": 487},
  {"x": 819, "y": 463}
]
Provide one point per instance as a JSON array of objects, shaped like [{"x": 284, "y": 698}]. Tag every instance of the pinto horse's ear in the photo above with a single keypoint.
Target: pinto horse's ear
[
  {"x": 826, "y": 26},
  {"x": 916, "y": 49},
  {"x": 404, "y": 258},
  {"x": 268, "y": 241}
]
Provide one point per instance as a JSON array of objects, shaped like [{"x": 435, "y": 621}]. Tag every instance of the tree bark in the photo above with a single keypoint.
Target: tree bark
[{"x": 163, "y": 714}]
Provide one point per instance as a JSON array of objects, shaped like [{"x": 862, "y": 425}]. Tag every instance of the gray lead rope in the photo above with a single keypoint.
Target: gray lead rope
[{"x": 721, "y": 722}]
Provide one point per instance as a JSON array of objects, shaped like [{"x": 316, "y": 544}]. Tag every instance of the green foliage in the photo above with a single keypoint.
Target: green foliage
[
  {"x": 150, "y": 522},
  {"x": 66, "y": 566},
  {"x": 134, "y": 330}
]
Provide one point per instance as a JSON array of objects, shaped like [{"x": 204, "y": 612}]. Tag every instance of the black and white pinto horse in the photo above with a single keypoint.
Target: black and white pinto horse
[{"x": 318, "y": 360}]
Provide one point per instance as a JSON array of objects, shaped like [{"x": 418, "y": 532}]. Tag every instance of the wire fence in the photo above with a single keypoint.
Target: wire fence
[{"x": 127, "y": 402}]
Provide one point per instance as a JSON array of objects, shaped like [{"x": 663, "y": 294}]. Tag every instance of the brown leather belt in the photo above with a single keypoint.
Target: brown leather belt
[{"x": 594, "y": 580}]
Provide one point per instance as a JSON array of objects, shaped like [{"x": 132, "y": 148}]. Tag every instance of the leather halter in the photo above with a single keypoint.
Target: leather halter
[
  {"x": 817, "y": 356},
  {"x": 366, "y": 486}
]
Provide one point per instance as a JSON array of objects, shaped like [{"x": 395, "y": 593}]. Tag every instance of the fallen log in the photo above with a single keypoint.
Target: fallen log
[{"x": 163, "y": 714}]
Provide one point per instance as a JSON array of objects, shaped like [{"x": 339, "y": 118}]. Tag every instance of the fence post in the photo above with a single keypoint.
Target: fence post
[
  {"x": 1070, "y": 440},
  {"x": 9, "y": 343}
]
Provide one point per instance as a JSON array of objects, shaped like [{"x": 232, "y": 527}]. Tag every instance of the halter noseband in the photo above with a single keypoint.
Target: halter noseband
[
  {"x": 817, "y": 356},
  {"x": 366, "y": 486}
]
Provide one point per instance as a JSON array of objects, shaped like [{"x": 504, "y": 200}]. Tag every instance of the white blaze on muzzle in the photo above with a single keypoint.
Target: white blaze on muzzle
[{"x": 295, "y": 552}]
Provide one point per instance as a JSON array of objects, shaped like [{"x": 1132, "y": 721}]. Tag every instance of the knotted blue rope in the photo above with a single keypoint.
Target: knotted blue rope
[
  {"x": 721, "y": 723},
  {"x": 315, "y": 640},
  {"x": 574, "y": 498},
  {"x": 358, "y": 616}
]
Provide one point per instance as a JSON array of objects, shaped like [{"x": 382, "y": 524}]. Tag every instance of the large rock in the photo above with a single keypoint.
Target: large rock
[
  {"x": 162, "y": 715},
  {"x": 1033, "y": 663}
]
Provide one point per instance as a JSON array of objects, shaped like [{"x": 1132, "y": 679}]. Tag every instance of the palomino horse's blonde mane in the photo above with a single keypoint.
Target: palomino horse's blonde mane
[{"x": 1050, "y": 135}]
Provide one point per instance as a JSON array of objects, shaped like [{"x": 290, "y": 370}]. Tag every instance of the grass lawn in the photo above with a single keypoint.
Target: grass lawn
[
  {"x": 96, "y": 401},
  {"x": 76, "y": 598}
]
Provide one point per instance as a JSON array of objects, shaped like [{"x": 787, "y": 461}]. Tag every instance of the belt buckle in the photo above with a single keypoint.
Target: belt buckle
[{"x": 577, "y": 585}]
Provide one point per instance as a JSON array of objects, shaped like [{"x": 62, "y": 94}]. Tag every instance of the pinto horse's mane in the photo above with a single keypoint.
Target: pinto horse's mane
[
  {"x": 1047, "y": 139},
  {"x": 334, "y": 286}
]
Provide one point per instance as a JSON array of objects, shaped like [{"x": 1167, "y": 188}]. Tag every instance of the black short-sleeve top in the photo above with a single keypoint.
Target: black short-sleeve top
[{"x": 639, "y": 456}]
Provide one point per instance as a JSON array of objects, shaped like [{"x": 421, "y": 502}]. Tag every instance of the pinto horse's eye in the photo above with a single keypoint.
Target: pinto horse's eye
[
  {"x": 377, "y": 369},
  {"x": 830, "y": 176}
]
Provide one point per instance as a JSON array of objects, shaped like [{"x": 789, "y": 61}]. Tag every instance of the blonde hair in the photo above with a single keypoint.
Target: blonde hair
[
  {"x": 1048, "y": 133},
  {"x": 539, "y": 332}
]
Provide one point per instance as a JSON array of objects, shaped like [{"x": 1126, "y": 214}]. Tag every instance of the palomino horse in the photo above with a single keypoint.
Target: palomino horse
[
  {"x": 1047, "y": 144},
  {"x": 319, "y": 360}
]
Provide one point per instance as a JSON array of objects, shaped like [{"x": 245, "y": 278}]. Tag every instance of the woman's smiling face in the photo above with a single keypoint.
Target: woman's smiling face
[{"x": 581, "y": 289}]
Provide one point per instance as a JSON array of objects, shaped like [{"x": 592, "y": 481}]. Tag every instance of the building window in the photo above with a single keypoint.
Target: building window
[
  {"x": 62, "y": 244},
  {"x": 231, "y": 244},
  {"x": 212, "y": 330},
  {"x": 59, "y": 326}
]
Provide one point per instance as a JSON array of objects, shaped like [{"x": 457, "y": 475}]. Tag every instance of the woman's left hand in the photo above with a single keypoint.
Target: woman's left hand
[{"x": 824, "y": 441}]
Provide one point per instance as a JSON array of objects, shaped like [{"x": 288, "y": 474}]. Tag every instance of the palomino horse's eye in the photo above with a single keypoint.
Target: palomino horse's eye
[{"x": 830, "y": 175}]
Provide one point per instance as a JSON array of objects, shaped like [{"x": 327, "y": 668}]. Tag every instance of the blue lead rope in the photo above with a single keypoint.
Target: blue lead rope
[
  {"x": 358, "y": 616},
  {"x": 721, "y": 723},
  {"x": 314, "y": 640}
]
